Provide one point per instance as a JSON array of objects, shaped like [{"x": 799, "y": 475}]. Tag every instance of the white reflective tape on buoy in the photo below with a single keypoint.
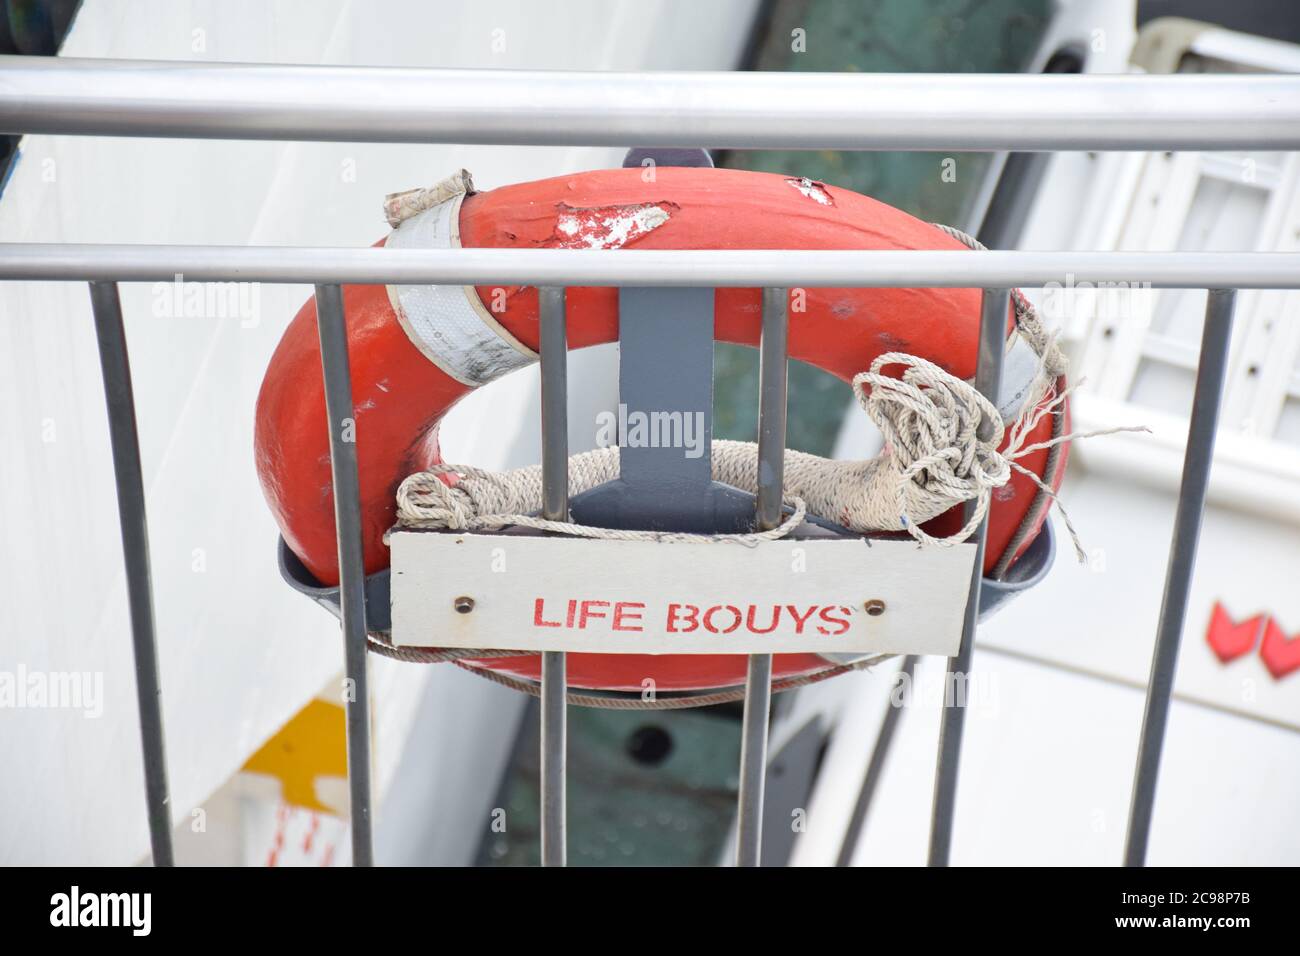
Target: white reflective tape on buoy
[
  {"x": 1020, "y": 368},
  {"x": 449, "y": 324}
]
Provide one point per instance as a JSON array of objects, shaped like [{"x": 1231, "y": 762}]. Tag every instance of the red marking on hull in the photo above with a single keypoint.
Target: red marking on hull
[
  {"x": 1230, "y": 640},
  {"x": 1280, "y": 653}
]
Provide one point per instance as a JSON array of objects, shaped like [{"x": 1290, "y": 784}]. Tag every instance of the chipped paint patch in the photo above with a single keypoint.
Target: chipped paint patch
[
  {"x": 812, "y": 189},
  {"x": 607, "y": 227}
]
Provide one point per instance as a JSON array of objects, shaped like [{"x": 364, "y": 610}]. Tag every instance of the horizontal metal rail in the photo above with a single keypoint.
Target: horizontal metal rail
[
  {"x": 719, "y": 110},
  {"x": 641, "y": 267}
]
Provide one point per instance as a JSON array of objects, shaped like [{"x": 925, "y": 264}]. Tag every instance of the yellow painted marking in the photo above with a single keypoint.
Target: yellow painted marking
[{"x": 312, "y": 744}]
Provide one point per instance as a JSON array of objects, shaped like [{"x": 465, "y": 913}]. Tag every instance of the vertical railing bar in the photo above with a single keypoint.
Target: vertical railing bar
[
  {"x": 554, "y": 349},
  {"x": 772, "y": 378},
  {"x": 1197, "y": 459},
  {"x": 988, "y": 380},
  {"x": 753, "y": 760},
  {"x": 332, "y": 329},
  {"x": 119, "y": 398},
  {"x": 554, "y": 759}
]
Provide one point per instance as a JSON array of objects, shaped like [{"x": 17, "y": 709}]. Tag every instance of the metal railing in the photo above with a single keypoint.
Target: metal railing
[
  {"x": 808, "y": 111},
  {"x": 714, "y": 110}
]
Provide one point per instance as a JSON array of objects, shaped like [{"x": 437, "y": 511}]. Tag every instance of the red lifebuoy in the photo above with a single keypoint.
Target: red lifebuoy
[{"x": 401, "y": 395}]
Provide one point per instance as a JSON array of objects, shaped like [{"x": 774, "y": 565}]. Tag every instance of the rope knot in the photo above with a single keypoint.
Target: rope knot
[
  {"x": 426, "y": 500},
  {"x": 941, "y": 436}
]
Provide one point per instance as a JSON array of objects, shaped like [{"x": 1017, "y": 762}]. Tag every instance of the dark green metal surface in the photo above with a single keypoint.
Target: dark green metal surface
[{"x": 645, "y": 789}]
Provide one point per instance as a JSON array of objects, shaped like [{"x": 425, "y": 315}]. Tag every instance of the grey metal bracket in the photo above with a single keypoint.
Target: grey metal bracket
[
  {"x": 666, "y": 388},
  {"x": 667, "y": 156},
  {"x": 665, "y": 382}
]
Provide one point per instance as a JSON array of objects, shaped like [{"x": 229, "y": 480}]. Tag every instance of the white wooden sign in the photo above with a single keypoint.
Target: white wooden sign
[{"x": 639, "y": 597}]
